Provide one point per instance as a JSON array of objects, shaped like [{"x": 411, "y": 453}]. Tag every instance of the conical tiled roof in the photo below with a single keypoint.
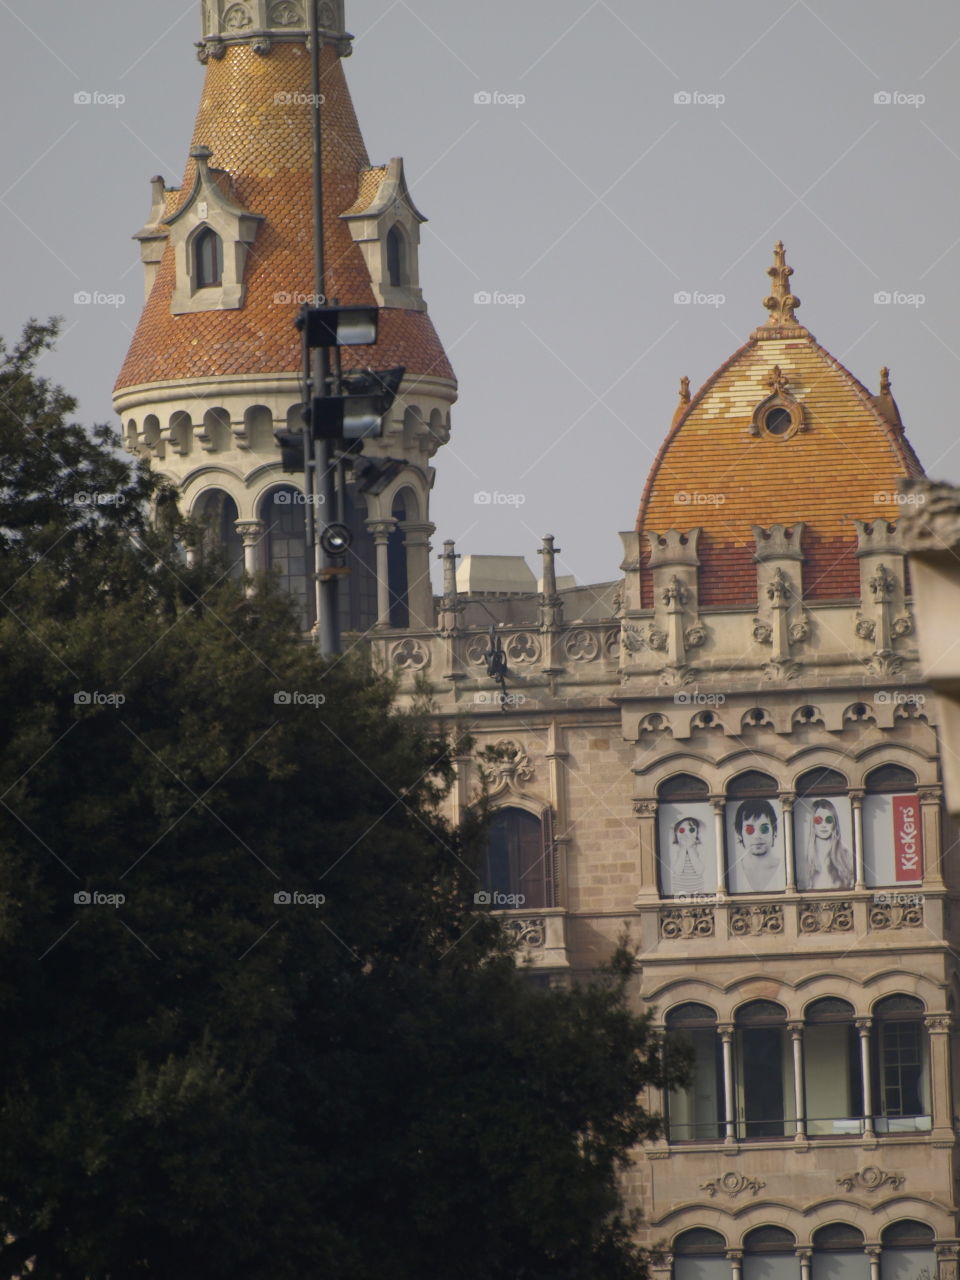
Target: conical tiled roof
[
  {"x": 255, "y": 119},
  {"x": 838, "y": 460}
]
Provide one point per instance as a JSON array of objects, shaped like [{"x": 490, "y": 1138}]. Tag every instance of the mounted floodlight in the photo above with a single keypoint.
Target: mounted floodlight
[
  {"x": 359, "y": 413},
  {"x": 339, "y": 326},
  {"x": 291, "y": 451},
  {"x": 336, "y": 539}
]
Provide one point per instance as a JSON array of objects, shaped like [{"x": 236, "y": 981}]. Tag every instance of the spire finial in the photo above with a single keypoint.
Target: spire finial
[
  {"x": 884, "y": 381},
  {"x": 684, "y": 390},
  {"x": 781, "y": 303}
]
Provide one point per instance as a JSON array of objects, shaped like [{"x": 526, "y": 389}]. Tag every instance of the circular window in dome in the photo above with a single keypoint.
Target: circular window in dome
[{"x": 777, "y": 421}]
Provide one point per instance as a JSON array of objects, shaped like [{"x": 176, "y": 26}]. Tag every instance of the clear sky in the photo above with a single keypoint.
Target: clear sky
[{"x": 633, "y": 151}]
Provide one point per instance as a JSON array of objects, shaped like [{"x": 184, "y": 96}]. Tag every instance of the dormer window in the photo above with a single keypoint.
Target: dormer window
[
  {"x": 208, "y": 259},
  {"x": 396, "y": 258}
]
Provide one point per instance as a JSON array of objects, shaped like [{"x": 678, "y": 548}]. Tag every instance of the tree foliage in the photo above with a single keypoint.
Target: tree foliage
[{"x": 208, "y": 1071}]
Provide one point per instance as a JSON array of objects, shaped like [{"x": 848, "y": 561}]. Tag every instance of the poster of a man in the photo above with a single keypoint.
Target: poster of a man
[
  {"x": 755, "y": 849},
  {"x": 687, "y": 852},
  {"x": 823, "y": 840}
]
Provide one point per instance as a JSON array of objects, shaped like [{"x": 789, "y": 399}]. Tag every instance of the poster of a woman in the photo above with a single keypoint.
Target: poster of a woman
[
  {"x": 824, "y": 844},
  {"x": 688, "y": 860}
]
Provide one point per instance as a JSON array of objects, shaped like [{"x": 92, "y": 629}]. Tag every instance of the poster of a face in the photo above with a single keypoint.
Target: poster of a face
[
  {"x": 687, "y": 854},
  {"x": 892, "y": 840},
  {"x": 823, "y": 843},
  {"x": 755, "y": 846}
]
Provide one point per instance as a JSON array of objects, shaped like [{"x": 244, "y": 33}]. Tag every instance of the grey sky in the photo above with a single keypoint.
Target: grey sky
[{"x": 599, "y": 199}]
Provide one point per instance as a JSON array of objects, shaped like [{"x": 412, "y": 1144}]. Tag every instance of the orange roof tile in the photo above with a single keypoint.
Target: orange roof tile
[{"x": 254, "y": 118}]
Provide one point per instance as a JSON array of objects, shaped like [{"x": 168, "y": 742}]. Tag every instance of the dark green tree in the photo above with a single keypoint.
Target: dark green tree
[{"x": 253, "y": 1024}]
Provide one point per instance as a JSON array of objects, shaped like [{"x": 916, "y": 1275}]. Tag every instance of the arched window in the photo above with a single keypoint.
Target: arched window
[
  {"x": 766, "y": 1096},
  {"x": 518, "y": 866},
  {"x": 769, "y": 1253},
  {"x": 208, "y": 259},
  {"x": 823, "y": 832},
  {"x": 892, "y": 828},
  {"x": 833, "y": 1085},
  {"x": 397, "y": 566},
  {"x": 396, "y": 257},
  {"x": 700, "y": 1254},
  {"x": 908, "y": 1251},
  {"x": 696, "y": 1113},
  {"x": 838, "y": 1253},
  {"x": 901, "y": 1066},
  {"x": 686, "y": 840},
  {"x": 286, "y": 545},
  {"x": 756, "y": 858},
  {"x": 217, "y": 512}
]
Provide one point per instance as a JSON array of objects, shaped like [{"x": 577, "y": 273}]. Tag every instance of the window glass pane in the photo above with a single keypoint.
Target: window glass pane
[
  {"x": 704, "y": 1268},
  {"x": 755, "y": 846},
  {"x": 752, "y": 783},
  {"x": 828, "y": 780},
  {"x": 515, "y": 865},
  {"x": 848, "y": 1265},
  {"x": 687, "y": 852},
  {"x": 908, "y": 1264},
  {"x": 771, "y": 1266},
  {"x": 286, "y": 543},
  {"x": 823, "y": 843},
  {"x": 765, "y": 1082},
  {"x": 831, "y": 1066},
  {"x": 683, "y": 786},
  {"x": 696, "y": 1113},
  {"x": 892, "y": 840}
]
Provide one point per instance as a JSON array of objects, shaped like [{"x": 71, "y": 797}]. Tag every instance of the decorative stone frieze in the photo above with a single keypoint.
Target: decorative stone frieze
[
  {"x": 262, "y": 23},
  {"x": 523, "y": 648},
  {"x": 528, "y": 931},
  {"x": 905, "y": 911},
  {"x": 761, "y": 918},
  {"x": 409, "y": 655},
  {"x": 871, "y": 1179},
  {"x": 733, "y": 1184},
  {"x": 686, "y": 922},
  {"x": 825, "y": 917}
]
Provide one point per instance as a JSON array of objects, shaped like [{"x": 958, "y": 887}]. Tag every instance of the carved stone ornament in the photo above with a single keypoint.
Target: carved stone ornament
[
  {"x": 882, "y": 665},
  {"x": 237, "y": 18},
  {"x": 733, "y": 1184},
  {"x": 530, "y": 932},
  {"x": 871, "y": 1179},
  {"x": 523, "y": 648},
  {"x": 618, "y": 601},
  {"x": 409, "y": 655},
  {"x": 903, "y": 626},
  {"x": 477, "y": 649},
  {"x": 826, "y": 917},
  {"x": 513, "y": 765},
  {"x": 611, "y": 644},
  {"x": 657, "y": 639},
  {"x": 686, "y": 922},
  {"x": 778, "y": 589},
  {"x": 326, "y": 16},
  {"x": 632, "y": 638},
  {"x": 904, "y": 911},
  {"x": 866, "y": 628},
  {"x": 762, "y": 631},
  {"x": 776, "y": 671},
  {"x": 800, "y": 629},
  {"x": 764, "y": 918},
  {"x": 695, "y": 636},
  {"x": 883, "y": 583},
  {"x": 581, "y": 646},
  {"x": 654, "y": 722},
  {"x": 645, "y": 808},
  {"x": 285, "y": 14},
  {"x": 675, "y": 593}
]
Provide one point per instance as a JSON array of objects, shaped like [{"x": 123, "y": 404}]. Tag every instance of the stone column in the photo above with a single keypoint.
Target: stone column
[
  {"x": 251, "y": 533},
  {"x": 646, "y": 811},
  {"x": 735, "y": 1257},
  {"x": 939, "y": 1026},
  {"x": 796, "y": 1036},
  {"x": 947, "y": 1261},
  {"x": 863, "y": 1027},
  {"x": 931, "y": 803},
  {"x": 787, "y": 800},
  {"x": 419, "y": 591},
  {"x": 381, "y": 530},
  {"x": 856, "y": 801},
  {"x": 873, "y": 1253},
  {"x": 805, "y": 1256},
  {"x": 719, "y": 834},
  {"x": 726, "y": 1036}
]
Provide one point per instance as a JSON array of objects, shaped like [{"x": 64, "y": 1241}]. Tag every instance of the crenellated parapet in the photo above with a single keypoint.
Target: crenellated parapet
[{"x": 262, "y": 23}]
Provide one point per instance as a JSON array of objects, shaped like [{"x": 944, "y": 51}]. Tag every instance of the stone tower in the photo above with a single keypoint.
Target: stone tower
[{"x": 215, "y": 365}]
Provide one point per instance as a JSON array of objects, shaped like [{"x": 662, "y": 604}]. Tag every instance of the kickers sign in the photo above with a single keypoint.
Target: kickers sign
[{"x": 907, "y": 838}]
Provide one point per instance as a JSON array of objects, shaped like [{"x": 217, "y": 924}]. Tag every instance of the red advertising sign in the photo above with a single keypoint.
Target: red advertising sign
[{"x": 907, "y": 838}]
